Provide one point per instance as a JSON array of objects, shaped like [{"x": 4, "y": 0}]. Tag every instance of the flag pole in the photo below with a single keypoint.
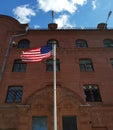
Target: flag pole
[{"x": 54, "y": 80}]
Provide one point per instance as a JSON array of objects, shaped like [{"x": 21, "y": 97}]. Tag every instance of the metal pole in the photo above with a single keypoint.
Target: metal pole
[
  {"x": 54, "y": 76},
  {"x": 8, "y": 49},
  {"x": 109, "y": 14},
  {"x": 5, "y": 58}
]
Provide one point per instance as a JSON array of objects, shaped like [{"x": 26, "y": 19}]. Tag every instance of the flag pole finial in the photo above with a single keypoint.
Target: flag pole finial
[
  {"x": 52, "y": 25},
  {"x": 52, "y": 16}
]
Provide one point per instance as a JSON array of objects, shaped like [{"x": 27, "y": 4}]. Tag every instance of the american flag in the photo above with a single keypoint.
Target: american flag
[{"x": 36, "y": 54}]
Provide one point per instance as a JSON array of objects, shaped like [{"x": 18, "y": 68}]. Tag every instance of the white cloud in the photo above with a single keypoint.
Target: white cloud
[
  {"x": 63, "y": 21},
  {"x": 36, "y": 26},
  {"x": 94, "y": 4},
  {"x": 60, "y": 5},
  {"x": 23, "y": 13}
]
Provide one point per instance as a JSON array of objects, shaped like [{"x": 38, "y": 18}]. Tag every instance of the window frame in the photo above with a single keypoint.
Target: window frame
[
  {"x": 12, "y": 96},
  {"x": 53, "y": 41},
  {"x": 81, "y": 43},
  {"x": 39, "y": 122},
  {"x": 19, "y": 66},
  {"x": 108, "y": 43},
  {"x": 86, "y": 65},
  {"x": 49, "y": 66},
  {"x": 24, "y": 43},
  {"x": 92, "y": 93},
  {"x": 69, "y": 122}
]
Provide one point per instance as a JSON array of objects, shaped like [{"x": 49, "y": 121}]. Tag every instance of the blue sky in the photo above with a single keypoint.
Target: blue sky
[{"x": 67, "y": 13}]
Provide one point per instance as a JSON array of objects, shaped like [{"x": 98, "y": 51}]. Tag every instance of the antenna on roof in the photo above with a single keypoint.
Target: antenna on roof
[
  {"x": 109, "y": 14},
  {"x": 104, "y": 25}
]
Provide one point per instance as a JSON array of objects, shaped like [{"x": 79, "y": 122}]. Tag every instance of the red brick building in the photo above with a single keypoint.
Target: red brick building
[{"x": 84, "y": 78}]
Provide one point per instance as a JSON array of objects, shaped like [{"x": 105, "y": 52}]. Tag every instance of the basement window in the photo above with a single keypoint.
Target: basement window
[
  {"x": 92, "y": 93},
  {"x": 14, "y": 94}
]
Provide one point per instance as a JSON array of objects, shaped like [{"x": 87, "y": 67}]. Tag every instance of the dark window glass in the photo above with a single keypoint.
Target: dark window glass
[
  {"x": 69, "y": 123},
  {"x": 19, "y": 66},
  {"x": 80, "y": 43},
  {"x": 23, "y": 43},
  {"x": 39, "y": 123},
  {"x": 108, "y": 43},
  {"x": 49, "y": 65},
  {"x": 14, "y": 94},
  {"x": 88, "y": 94},
  {"x": 85, "y": 65},
  {"x": 92, "y": 93}
]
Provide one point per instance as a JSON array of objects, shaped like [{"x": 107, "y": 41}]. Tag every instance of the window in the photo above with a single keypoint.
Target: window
[
  {"x": 92, "y": 93},
  {"x": 49, "y": 65},
  {"x": 80, "y": 43},
  {"x": 52, "y": 41},
  {"x": 19, "y": 66},
  {"x": 24, "y": 43},
  {"x": 69, "y": 123},
  {"x": 14, "y": 94},
  {"x": 111, "y": 60},
  {"x": 108, "y": 43},
  {"x": 86, "y": 65},
  {"x": 39, "y": 123}
]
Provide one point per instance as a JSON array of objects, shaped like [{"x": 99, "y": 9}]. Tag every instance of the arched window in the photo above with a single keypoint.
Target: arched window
[
  {"x": 53, "y": 41},
  {"x": 24, "y": 43},
  {"x": 108, "y": 43},
  {"x": 81, "y": 43}
]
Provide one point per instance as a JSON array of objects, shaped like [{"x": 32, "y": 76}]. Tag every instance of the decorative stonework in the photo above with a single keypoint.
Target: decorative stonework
[{"x": 43, "y": 99}]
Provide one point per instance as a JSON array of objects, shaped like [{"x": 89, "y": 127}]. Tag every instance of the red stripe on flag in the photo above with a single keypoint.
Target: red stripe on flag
[{"x": 34, "y": 55}]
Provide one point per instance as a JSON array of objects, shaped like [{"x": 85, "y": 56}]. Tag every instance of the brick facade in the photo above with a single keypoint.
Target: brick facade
[{"x": 37, "y": 97}]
